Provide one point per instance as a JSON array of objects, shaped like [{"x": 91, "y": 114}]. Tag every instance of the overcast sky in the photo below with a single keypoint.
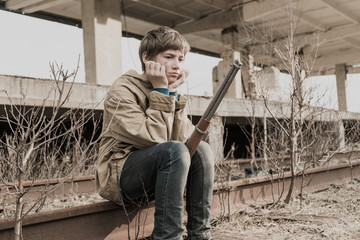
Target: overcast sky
[{"x": 28, "y": 45}]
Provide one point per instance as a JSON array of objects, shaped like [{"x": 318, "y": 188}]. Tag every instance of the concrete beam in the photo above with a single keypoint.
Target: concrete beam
[
  {"x": 102, "y": 32},
  {"x": 340, "y": 71},
  {"x": 349, "y": 56},
  {"x": 216, "y": 21},
  {"x": 165, "y": 6},
  {"x": 339, "y": 33},
  {"x": 315, "y": 39},
  {"x": 259, "y": 9},
  {"x": 352, "y": 41},
  {"x": 222, "y": 5},
  {"x": 43, "y": 5},
  {"x": 311, "y": 21},
  {"x": 17, "y": 4},
  {"x": 349, "y": 14}
]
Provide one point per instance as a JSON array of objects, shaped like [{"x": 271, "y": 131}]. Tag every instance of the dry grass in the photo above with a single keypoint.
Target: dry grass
[{"x": 330, "y": 214}]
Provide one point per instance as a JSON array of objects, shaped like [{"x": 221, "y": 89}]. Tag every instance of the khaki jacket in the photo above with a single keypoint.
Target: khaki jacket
[{"x": 135, "y": 117}]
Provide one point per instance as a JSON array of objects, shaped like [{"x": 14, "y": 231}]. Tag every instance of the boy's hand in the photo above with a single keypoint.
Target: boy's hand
[
  {"x": 156, "y": 74},
  {"x": 181, "y": 79}
]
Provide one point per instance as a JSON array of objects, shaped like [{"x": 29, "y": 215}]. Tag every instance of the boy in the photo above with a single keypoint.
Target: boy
[{"x": 143, "y": 155}]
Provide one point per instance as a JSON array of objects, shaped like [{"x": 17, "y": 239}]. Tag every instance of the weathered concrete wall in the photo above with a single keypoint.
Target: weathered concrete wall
[
  {"x": 86, "y": 95},
  {"x": 31, "y": 91}
]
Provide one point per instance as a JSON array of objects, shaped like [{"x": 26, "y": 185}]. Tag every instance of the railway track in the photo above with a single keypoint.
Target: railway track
[
  {"x": 78, "y": 184},
  {"x": 241, "y": 164},
  {"x": 106, "y": 220}
]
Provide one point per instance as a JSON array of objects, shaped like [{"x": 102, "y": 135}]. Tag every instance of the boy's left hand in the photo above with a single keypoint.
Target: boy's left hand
[{"x": 181, "y": 79}]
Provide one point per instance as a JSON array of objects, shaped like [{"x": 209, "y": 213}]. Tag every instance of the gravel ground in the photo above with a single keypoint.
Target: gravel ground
[{"x": 330, "y": 214}]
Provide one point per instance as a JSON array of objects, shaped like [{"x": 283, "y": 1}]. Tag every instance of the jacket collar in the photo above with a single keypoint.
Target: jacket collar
[{"x": 134, "y": 74}]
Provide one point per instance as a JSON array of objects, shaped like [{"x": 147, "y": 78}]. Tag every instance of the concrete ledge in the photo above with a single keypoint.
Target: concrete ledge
[
  {"x": 32, "y": 91},
  {"x": 38, "y": 92}
]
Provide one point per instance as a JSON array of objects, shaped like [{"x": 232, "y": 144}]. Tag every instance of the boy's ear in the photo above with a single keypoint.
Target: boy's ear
[{"x": 144, "y": 57}]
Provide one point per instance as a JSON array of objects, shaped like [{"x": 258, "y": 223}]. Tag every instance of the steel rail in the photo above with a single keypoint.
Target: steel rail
[
  {"x": 109, "y": 221},
  {"x": 340, "y": 156},
  {"x": 85, "y": 184},
  {"x": 77, "y": 184}
]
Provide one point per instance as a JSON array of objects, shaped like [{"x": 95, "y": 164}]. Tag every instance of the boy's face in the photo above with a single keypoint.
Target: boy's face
[{"x": 172, "y": 60}]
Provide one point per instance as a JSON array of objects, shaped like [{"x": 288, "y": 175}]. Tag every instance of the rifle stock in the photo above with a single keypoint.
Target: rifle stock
[
  {"x": 204, "y": 122},
  {"x": 196, "y": 137}
]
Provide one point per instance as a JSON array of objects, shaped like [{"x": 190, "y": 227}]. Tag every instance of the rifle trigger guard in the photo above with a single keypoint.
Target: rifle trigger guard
[{"x": 200, "y": 131}]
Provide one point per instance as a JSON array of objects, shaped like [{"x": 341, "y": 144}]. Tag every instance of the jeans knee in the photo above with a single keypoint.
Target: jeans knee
[
  {"x": 179, "y": 154},
  {"x": 177, "y": 146},
  {"x": 206, "y": 155}
]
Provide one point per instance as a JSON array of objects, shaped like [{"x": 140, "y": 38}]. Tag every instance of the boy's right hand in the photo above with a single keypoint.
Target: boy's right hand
[{"x": 155, "y": 72}]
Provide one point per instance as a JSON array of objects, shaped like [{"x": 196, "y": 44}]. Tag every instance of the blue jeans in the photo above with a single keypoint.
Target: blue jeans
[{"x": 161, "y": 172}]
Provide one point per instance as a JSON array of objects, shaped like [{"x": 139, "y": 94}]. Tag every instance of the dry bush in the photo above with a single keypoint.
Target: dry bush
[{"x": 45, "y": 141}]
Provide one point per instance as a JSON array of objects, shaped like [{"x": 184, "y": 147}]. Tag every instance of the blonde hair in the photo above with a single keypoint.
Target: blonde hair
[{"x": 159, "y": 40}]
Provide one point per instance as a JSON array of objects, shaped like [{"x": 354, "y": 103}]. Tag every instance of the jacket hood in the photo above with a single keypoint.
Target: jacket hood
[
  {"x": 128, "y": 79},
  {"x": 137, "y": 79}
]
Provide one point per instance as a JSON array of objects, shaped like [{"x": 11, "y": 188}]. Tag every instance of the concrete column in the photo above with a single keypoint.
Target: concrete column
[
  {"x": 215, "y": 138},
  {"x": 340, "y": 71},
  {"x": 228, "y": 55},
  {"x": 269, "y": 84},
  {"x": 341, "y": 134},
  {"x": 102, "y": 32}
]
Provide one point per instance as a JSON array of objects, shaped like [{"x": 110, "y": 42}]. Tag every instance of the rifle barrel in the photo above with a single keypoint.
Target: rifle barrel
[{"x": 204, "y": 122}]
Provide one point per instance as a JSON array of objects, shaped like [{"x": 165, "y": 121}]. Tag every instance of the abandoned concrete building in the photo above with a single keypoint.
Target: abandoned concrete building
[{"x": 326, "y": 41}]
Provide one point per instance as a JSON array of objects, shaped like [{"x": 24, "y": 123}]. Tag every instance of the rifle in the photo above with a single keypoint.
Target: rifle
[{"x": 204, "y": 122}]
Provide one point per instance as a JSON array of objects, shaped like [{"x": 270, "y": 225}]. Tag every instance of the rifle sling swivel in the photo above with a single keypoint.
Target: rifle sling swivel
[{"x": 200, "y": 131}]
